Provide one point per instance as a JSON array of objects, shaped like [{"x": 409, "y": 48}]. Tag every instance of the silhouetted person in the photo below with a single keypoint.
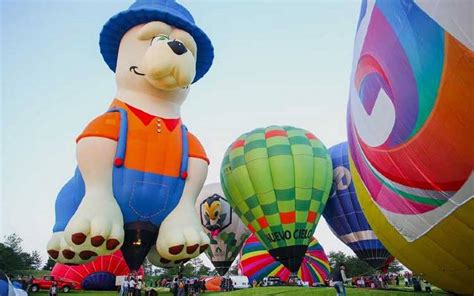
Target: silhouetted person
[{"x": 339, "y": 278}]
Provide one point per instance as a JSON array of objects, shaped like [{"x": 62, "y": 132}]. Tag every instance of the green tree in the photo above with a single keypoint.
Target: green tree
[
  {"x": 49, "y": 264},
  {"x": 9, "y": 260},
  {"x": 357, "y": 267},
  {"x": 13, "y": 241},
  {"x": 337, "y": 258},
  {"x": 204, "y": 271},
  {"x": 354, "y": 265},
  {"x": 27, "y": 260},
  {"x": 147, "y": 267},
  {"x": 36, "y": 261},
  {"x": 196, "y": 263},
  {"x": 12, "y": 257},
  {"x": 199, "y": 268},
  {"x": 187, "y": 270}
]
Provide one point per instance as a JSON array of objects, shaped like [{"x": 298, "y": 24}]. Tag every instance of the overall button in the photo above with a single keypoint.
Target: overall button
[{"x": 158, "y": 124}]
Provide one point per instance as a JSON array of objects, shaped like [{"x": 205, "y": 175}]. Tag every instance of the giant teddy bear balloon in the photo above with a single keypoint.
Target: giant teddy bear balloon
[{"x": 139, "y": 169}]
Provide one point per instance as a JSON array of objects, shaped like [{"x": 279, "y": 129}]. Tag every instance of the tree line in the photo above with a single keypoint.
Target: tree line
[
  {"x": 14, "y": 258},
  {"x": 356, "y": 267}
]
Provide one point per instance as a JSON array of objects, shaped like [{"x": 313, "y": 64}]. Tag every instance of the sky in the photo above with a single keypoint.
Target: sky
[{"x": 276, "y": 62}]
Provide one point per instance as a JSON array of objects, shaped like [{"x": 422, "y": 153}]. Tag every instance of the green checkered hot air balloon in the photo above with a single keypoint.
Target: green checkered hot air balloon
[{"x": 277, "y": 180}]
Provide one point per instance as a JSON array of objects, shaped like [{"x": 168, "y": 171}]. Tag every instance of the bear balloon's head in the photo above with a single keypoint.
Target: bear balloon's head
[
  {"x": 156, "y": 57},
  {"x": 156, "y": 48}
]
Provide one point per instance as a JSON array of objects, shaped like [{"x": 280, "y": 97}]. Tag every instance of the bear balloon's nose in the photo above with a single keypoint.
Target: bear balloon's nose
[{"x": 177, "y": 47}]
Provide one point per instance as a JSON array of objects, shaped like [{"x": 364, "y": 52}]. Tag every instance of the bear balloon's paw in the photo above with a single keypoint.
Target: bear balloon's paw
[
  {"x": 181, "y": 236},
  {"x": 159, "y": 261},
  {"x": 60, "y": 251},
  {"x": 96, "y": 229}
]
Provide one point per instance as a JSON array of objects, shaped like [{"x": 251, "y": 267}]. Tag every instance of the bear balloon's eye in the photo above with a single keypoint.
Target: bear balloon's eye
[{"x": 159, "y": 38}]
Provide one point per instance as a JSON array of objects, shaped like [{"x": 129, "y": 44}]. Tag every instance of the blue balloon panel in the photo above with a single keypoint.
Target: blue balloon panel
[
  {"x": 345, "y": 216},
  {"x": 103, "y": 281}
]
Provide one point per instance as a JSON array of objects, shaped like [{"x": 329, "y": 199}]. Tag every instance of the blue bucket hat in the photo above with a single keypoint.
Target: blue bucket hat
[{"x": 144, "y": 11}]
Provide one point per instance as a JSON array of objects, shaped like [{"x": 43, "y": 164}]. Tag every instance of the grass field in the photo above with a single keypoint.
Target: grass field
[
  {"x": 320, "y": 291},
  {"x": 280, "y": 291}
]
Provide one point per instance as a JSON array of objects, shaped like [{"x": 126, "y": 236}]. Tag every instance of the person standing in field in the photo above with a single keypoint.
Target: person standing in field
[
  {"x": 181, "y": 288},
  {"x": 53, "y": 291},
  {"x": 339, "y": 278},
  {"x": 132, "y": 285},
  {"x": 139, "y": 287},
  {"x": 124, "y": 287}
]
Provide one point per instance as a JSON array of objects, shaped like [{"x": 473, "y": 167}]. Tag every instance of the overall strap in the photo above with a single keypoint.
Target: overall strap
[
  {"x": 183, "y": 170},
  {"x": 122, "y": 138}
]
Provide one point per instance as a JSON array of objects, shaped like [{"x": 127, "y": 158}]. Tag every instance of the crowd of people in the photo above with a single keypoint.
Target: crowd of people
[
  {"x": 132, "y": 286},
  {"x": 226, "y": 284},
  {"x": 382, "y": 281},
  {"x": 185, "y": 287},
  {"x": 377, "y": 281}
]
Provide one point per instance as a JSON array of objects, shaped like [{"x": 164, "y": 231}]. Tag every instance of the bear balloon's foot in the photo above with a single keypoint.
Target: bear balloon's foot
[
  {"x": 181, "y": 236},
  {"x": 60, "y": 251},
  {"x": 96, "y": 229},
  {"x": 159, "y": 261}
]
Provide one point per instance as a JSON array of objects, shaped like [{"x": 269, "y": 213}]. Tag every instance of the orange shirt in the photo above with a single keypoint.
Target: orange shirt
[{"x": 153, "y": 143}]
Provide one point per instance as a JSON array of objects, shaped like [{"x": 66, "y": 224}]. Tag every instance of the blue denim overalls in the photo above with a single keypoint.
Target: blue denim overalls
[{"x": 142, "y": 196}]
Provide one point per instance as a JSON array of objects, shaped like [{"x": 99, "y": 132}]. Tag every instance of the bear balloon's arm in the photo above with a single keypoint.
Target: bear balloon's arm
[
  {"x": 197, "y": 171},
  {"x": 95, "y": 226},
  {"x": 197, "y": 174},
  {"x": 95, "y": 157},
  {"x": 181, "y": 235},
  {"x": 98, "y": 220}
]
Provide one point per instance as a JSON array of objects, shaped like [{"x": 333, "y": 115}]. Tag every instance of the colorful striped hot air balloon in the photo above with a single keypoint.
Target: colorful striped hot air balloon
[
  {"x": 277, "y": 180},
  {"x": 256, "y": 263},
  {"x": 97, "y": 275},
  {"x": 345, "y": 217},
  {"x": 410, "y": 131}
]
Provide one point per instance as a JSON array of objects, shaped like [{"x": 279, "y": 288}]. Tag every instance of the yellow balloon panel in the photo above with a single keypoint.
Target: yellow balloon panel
[{"x": 444, "y": 255}]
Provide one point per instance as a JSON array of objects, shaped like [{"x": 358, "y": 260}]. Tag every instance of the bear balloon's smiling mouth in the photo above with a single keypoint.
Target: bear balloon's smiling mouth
[{"x": 134, "y": 70}]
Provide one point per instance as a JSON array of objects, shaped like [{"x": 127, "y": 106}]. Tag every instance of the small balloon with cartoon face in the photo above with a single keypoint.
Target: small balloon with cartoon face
[{"x": 226, "y": 231}]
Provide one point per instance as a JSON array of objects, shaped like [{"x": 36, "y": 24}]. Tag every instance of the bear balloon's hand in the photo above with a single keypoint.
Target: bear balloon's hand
[
  {"x": 95, "y": 229},
  {"x": 181, "y": 235}
]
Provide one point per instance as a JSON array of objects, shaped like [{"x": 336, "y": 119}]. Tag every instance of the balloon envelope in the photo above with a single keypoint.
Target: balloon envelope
[
  {"x": 4, "y": 283},
  {"x": 256, "y": 263},
  {"x": 97, "y": 275},
  {"x": 7, "y": 288},
  {"x": 345, "y": 217},
  {"x": 226, "y": 231},
  {"x": 410, "y": 129},
  {"x": 278, "y": 179}
]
